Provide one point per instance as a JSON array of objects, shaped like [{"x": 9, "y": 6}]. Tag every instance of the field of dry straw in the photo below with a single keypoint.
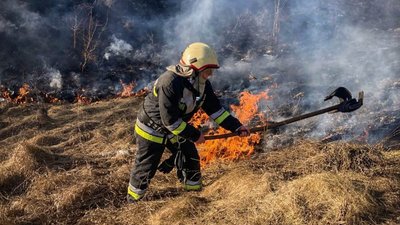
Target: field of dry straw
[{"x": 70, "y": 164}]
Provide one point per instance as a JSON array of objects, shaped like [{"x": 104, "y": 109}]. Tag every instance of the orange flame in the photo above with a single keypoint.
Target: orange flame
[
  {"x": 5, "y": 94},
  {"x": 142, "y": 92},
  {"x": 80, "y": 99},
  {"x": 51, "y": 99},
  {"x": 23, "y": 94},
  {"x": 235, "y": 147},
  {"x": 127, "y": 89}
]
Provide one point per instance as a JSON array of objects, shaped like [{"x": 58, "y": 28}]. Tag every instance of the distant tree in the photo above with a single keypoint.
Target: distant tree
[{"x": 87, "y": 29}]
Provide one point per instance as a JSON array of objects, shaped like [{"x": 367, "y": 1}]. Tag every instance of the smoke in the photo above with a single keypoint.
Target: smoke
[
  {"x": 360, "y": 56},
  {"x": 118, "y": 48},
  {"x": 316, "y": 46},
  {"x": 321, "y": 46},
  {"x": 229, "y": 27},
  {"x": 55, "y": 78}
]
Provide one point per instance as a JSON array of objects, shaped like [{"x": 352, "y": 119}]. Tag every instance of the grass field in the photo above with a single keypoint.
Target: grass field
[{"x": 70, "y": 164}]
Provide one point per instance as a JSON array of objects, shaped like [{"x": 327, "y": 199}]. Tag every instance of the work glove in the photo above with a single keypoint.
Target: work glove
[
  {"x": 167, "y": 165},
  {"x": 242, "y": 131},
  {"x": 201, "y": 139}
]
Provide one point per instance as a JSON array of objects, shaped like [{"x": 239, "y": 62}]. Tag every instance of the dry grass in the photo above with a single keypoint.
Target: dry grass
[
  {"x": 319, "y": 198},
  {"x": 70, "y": 164}
]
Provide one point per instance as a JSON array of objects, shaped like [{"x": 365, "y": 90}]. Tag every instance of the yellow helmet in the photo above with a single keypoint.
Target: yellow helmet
[{"x": 199, "y": 56}]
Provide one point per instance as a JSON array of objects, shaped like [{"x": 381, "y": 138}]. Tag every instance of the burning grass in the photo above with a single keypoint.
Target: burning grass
[
  {"x": 73, "y": 168},
  {"x": 236, "y": 147}
]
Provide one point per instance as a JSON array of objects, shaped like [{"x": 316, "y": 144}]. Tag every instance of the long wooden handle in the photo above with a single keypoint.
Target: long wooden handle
[{"x": 276, "y": 124}]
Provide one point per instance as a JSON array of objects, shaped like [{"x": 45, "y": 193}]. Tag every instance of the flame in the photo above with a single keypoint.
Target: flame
[
  {"x": 23, "y": 94},
  {"x": 50, "y": 99},
  {"x": 127, "y": 90},
  {"x": 5, "y": 94},
  {"x": 235, "y": 147},
  {"x": 80, "y": 99},
  {"x": 26, "y": 95},
  {"x": 142, "y": 92}
]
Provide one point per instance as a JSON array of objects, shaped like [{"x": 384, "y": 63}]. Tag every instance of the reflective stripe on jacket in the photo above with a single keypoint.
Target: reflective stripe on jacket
[{"x": 152, "y": 135}]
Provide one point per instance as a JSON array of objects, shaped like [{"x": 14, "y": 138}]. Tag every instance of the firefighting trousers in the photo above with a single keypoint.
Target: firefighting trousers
[{"x": 148, "y": 156}]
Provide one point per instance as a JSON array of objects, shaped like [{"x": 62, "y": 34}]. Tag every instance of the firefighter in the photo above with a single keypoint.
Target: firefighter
[{"x": 162, "y": 121}]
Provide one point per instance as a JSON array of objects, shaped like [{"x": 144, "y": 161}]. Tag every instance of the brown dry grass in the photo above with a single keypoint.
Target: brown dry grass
[{"x": 70, "y": 164}]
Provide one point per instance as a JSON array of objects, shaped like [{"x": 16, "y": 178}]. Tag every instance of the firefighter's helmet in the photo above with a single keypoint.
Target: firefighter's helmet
[{"x": 199, "y": 56}]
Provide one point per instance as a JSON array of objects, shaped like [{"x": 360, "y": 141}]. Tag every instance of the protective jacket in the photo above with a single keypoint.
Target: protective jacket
[{"x": 171, "y": 104}]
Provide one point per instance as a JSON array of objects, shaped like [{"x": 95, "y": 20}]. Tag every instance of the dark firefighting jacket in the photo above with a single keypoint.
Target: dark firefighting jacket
[{"x": 172, "y": 102}]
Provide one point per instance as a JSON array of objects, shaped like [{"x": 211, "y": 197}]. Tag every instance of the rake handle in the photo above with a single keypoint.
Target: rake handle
[{"x": 277, "y": 124}]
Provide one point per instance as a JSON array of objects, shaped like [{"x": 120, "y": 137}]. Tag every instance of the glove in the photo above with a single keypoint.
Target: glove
[
  {"x": 242, "y": 131},
  {"x": 167, "y": 165}
]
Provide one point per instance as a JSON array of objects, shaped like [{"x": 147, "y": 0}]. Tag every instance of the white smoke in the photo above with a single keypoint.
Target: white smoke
[
  {"x": 118, "y": 47},
  {"x": 55, "y": 78}
]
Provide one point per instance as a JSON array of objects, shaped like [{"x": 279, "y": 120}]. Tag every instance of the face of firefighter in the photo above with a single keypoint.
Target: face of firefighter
[{"x": 205, "y": 74}]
